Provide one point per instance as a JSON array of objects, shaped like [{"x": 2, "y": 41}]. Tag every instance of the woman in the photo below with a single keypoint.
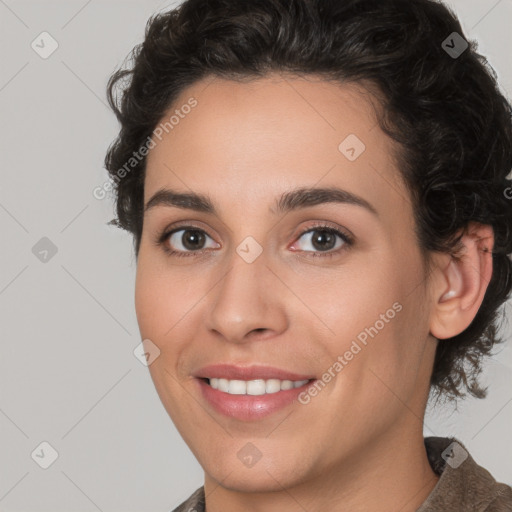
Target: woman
[{"x": 317, "y": 192}]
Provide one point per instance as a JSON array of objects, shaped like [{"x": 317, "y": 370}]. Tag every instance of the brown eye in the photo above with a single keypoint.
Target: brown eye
[
  {"x": 188, "y": 240},
  {"x": 192, "y": 240},
  {"x": 322, "y": 239}
]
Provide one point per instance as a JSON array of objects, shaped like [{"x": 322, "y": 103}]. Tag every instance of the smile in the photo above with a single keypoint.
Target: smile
[{"x": 254, "y": 387}]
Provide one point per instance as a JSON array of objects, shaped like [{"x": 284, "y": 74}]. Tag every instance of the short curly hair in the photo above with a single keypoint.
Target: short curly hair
[{"x": 451, "y": 122}]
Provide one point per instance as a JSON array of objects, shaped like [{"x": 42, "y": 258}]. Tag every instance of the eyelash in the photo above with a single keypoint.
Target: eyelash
[{"x": 347, "y": 241}]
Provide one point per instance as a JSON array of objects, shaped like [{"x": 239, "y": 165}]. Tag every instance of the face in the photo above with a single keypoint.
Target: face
[{"x": 261, "y": 282}]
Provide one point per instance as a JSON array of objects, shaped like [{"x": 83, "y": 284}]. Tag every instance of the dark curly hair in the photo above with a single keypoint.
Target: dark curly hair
[{"x": 452, "y": 124}]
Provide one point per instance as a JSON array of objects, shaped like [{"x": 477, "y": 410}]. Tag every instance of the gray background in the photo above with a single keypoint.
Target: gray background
[{"x": 68, "y": 374}]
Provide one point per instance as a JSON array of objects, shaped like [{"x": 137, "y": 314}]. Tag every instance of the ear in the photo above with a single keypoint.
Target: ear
[{"x": 459, "y": 282}]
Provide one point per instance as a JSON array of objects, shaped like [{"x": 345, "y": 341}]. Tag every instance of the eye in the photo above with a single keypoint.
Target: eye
[
  {"x": 323, "y": 239},
  {"x": 187, "y": 239},
  {"x": 319, "y": 241}
]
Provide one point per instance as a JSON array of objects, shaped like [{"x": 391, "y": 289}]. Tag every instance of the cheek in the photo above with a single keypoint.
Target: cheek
[
  {"x": 376, "y": 309},
  {"x": 168, "y": 309},
  {"x": 351, "y": 299},
  {"x": 157, "y": 302},
  {"x": 147, "y": 298},
  {"x": 161, "y": 297},
  {"x": 159, "y": 308}
]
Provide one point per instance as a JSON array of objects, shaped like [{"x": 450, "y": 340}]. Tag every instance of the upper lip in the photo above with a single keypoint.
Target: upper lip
[{"x": 254, "y": 372}]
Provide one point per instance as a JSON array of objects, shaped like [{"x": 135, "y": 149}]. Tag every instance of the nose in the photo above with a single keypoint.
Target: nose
[{"x": 248, "y": 303}]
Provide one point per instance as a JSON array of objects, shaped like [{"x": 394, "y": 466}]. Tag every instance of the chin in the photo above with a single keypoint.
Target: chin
[
  {"x": 252, "y": 480},
  {"x": 264, "y": 476}
]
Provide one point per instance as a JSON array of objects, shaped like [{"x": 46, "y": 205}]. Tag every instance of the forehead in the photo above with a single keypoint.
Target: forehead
[{"x": 256, "y": 138}]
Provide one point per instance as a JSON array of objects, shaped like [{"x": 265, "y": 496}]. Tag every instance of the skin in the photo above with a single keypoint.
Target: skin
[{"x": 358, "y": 444}]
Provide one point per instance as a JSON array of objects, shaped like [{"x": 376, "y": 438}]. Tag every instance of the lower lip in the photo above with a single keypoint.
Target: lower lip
[{"x": 249, "y": 407}]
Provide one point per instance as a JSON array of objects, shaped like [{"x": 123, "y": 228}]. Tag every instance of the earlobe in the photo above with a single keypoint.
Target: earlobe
[{"x": 462, "y": 283}]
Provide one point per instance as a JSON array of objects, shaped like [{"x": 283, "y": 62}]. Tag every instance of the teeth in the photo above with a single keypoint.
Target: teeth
[{"x": 254, "y": 387}]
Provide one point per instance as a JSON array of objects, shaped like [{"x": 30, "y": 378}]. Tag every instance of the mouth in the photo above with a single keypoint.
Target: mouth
[
  {"x": 255, "y": 387},
  {"x": 249, "y": 393},
  {"x": 246, "y": 401}
]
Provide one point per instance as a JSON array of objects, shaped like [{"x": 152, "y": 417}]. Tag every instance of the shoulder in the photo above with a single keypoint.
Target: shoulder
[
  {"x": 195, "y": 503},
  {"x": 463, "y": 484},
  {"x": 502, "y": 501}
]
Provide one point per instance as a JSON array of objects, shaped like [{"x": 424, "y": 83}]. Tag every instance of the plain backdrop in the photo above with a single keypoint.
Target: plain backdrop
[{"x": 68, "y": 374}]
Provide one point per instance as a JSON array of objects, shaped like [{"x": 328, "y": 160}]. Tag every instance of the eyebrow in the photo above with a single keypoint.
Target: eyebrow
[{"x": 293, "y": 200}]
